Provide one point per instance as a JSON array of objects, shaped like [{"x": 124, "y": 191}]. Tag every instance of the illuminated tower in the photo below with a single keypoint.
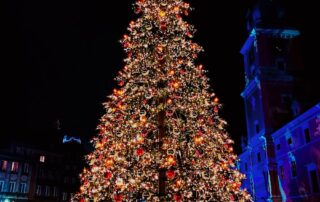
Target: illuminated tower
[{"x": 272, "y": 66}]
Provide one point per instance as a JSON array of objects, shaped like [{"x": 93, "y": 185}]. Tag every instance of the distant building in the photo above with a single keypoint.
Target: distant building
[
  {"x": 28, "y": 173},
  {"x": 281, "y": 152}
]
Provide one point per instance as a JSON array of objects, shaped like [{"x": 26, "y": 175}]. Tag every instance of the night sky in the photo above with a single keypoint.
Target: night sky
[{"x": 61, "y": 57}]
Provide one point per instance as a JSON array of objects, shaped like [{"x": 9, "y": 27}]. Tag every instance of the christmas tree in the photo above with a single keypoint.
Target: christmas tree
[{"x": 161, "y": 138}]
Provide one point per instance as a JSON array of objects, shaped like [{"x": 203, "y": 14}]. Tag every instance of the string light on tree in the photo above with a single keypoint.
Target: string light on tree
[{"x": 161, "y": 138}]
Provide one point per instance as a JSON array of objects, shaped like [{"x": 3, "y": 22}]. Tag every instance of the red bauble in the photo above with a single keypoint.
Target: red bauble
[
  {"x": 177, "y": 197},
  {"x": 170, "y": 174},
  {"x": 163, "y": 26},
  {"x": 140, "y": 152},
  {"x": 121, "y": 83},
  {"x": 118, "y": 197},
  {"x": 108, "y": 175},
  {"x": 82, "y": 200}
]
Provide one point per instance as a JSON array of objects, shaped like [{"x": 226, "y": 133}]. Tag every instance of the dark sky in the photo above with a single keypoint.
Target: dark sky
[{"x": 61, "y": 57}]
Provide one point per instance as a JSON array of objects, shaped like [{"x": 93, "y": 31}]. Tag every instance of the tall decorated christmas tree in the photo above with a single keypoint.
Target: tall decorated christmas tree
[{"x": 161, "y": 138}]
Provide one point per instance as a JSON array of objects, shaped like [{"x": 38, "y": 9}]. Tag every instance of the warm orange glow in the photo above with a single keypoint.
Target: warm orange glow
[
  {"x": 224, "y": 165},
  {"x": 171, "y": 160},
  {"x": 98, "y": 145},
  {"x": 176, "y": 9},
  {"x": 171, "y": 72},
  {"x": 216, "y": 99},
  {"x": 176, "y": 84},
  {"x": 143, "y": 119},
  {"x": 169, "y": 101},
  {"x": 162, "y": 14},
  {"x": 82, "y": 189},
  {"x": 198, "y": 139},
  {"x": 109, "y": 163},
  {"x": 179, "y": 183}
]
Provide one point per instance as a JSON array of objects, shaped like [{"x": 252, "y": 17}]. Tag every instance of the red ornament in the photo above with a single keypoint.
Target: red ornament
[
  {"x": 170, "y": 174},
  {"x": 163, "y": 26},
  {"x": 108, "y": 175},
  {"x": 121, "y": 83},
  {"x": 140, "y": 152},
  {"x": 82, "y": 200},
  {"x": 216, "y": 109},
  {"x": 177, "y": 197},
  {"x": 118, "y": 197}
]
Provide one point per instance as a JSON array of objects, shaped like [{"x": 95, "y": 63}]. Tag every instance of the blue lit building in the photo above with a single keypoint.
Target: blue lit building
[{"x": 281, "y": 151}]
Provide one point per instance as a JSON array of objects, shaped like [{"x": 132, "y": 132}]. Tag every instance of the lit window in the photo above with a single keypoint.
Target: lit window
[
  {"x": 42, "y": 159},
  {"x": 47, "y": 193},
  {"x": 1, "y": 186},
  {"x": 293, "y": 168},
  {"x": 314, "y": 181},
  {"x": 4, "y": 165},
  {"x": 307, "y": 135},
  {"x": 25, "y": 168},
  {"x": 14, "y": 167},
  {"x": 64, "y": 196},
  {"x": 38, "y": 190},
  {"x": 281, "y": 172},
  {"x": 12, "y": 186},
  {"x": 23, "y": 188}
]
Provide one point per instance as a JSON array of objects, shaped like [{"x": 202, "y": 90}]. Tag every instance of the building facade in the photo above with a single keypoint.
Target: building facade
[
  {"x": 281, "y": 151},
  {"x": 32, "y": 174}
]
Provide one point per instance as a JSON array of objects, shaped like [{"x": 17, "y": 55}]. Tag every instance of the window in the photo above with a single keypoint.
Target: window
[
  {"x": 64, "y": 196},
  {"x": 38, "y": 190},
  {"x": 1, "y": 186},
  {"x": 23, "y": 188},
  {"x": 278, "y": 146},
  {"x": 314, "y": 181},
  {"x": 55, "y": 191},
  {"x": 246, "y": 166},
  {"x": 307, "y": 135},
  {"x": 294, "y": 169},
  {"x": 4, "y": 165},
  {"x": 25, "y": 168},
  {"x": 251, "y": 55},
  {"x": 42, "y": 159},
  {"x": 257, "y": 127},
  {"x": 14, "y": 167},
  {"x": 259, "y": 157},
  {"x": 281, "y": 172},
  {"x": 47, "y": 193},
  {"x": 289, "y": 141},
  {"x": 12, "y": 186}
]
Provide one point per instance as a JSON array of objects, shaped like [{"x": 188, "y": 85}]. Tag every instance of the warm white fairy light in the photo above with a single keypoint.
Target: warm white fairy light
[{"x": 163, "y": 116}]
